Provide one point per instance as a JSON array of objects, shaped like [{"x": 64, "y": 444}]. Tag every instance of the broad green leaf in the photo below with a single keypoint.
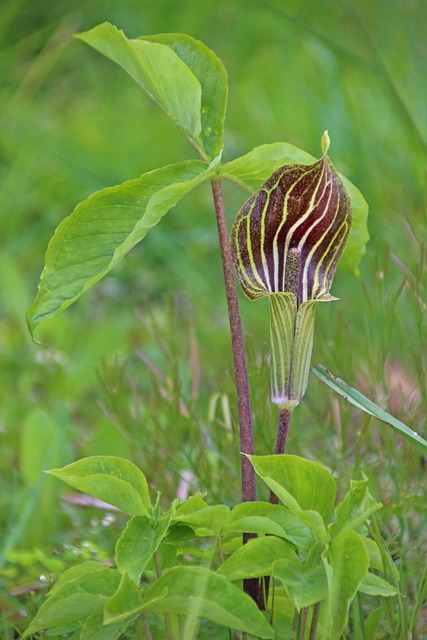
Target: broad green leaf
[
  {"x": 79, "y": 593},
  {"x": 304, "y": 586},
  {"x": 125, "y": 604},
  {"x": 159, "y": 71},
  {"x": 205, "y": 522},
  {"x": 137, "y": 544},
  {"x": 346, "y": 564},
  {"x": 373, "y": 585},
  {"x": 309, "y": 485},
  {"x": 203, "y": 593},
  {"x": 211, "y": 74},
  {"x": 362, "y": 402},
  {"x": 103, "y": 229},
  {"x": 252, "y": 169},
  {"x": 357, "y": 506},
  {"x": 255, "y": 558},
  {"x": 192, "y": 504},
  {"x": 94, "y": 629},
  {"x": 114, "y": 480},
  {"x": 263, "y": 517}
]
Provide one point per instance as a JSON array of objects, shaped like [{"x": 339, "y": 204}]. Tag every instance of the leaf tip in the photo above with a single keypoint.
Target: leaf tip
[{"x": 325, "y": 142}]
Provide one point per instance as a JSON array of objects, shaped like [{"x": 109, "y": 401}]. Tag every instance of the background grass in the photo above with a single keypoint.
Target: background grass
[{"x": 141, "y": 366}]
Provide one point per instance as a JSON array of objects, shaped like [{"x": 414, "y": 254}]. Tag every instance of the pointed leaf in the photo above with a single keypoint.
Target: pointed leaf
[
  {"x": 362, "y": 402},
  {"x": 304, "y": 586},
  {"x": 202, "y": 593},
  {"x": 137, "y": 544},
  {"x": 263, "y": 517},
  {"x": 125, "y": 604},
  {"x": 346, "y": 565},
  {"x": 311, "y": 486},
  {"x": 357, "y": 506},
  {"x": 373, "y": 585},
  {"x": 205, "y": 522},
  {"x": 211, "y": 74},
  {"x": 114, "y": 480},
  {"x": 159, "y": 71},
  {"x": 103, "y": 229},
  {"x": 255, "y": 558},
  {"x": 80, "y": 592},
  {"x": 191, "y": 505},
  {"x": 252, "y": 169}
]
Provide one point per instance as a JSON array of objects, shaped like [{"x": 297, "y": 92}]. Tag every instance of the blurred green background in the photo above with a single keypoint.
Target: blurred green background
[{"x": 73, "y": 123}]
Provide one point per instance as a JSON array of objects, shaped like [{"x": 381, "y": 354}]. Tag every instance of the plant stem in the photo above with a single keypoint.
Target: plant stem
[
  {"x": 314, "y": 621},
  {"x": 166, "y": 616},
  {"x": 251, "y": 587},
  {"x": 145, "y": 627},
  {"x": 282, "y": 430},
  {"x": 282, "y": 435},
  {"x": 304, "y": 622},
  {"x": 240, "y": 371}
]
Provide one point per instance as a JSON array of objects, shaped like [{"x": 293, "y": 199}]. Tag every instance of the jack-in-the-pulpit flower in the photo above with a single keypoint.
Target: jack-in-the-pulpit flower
[{"x": 286, "y": 242}]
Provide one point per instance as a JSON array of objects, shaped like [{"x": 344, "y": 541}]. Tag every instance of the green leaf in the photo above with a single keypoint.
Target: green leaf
[
  {"x": 255, "y": 558},
  {"x": 80, "y": 592},
  {"x": 211, "y": 74},
  {"x": 359, "y": 234},
  {"x": 263, "y": 517},
  {"x": 304, "y": 485},
  {"x": 205, "y": 522},
  {"x": 304, "y": 586},
  {"x": 125, "y": 604},
  {"x": 357, "y": 506},
  {"x": 346, "y": 564},
  {"x": 113, "y": 480},
  {"x": 94, "y": 629},
  {"x": 103, "y": 229},
  {"x": 192, "y": 504},
  {"x": 159, "y": 71},
  {"x": 362, "y": 402},
  {"x": 374, "y": 553},
  {"x": 252, "y": 169},
  {"x": 373, "y": 585},
  {"x": 200, "y": 592},
  {"x": 137, "y": 544}
]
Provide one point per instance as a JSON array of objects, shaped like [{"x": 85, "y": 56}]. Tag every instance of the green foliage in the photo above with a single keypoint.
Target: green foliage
[
  {"x": 114, "y": 480},
  {"x": 179, "y": 73},
  {"x": 329, "y": 572},
  {"x": 86, "y": 125},
  {"x": 197, "y": 592},
  {"x": 80, "y": 592},
  {"x": 105, "y": 227},
  {"x": 139, "y": 541}
]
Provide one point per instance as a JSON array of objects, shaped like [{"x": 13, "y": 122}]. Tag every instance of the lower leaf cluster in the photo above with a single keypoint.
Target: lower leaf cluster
[{"x": 311, "y": 557}]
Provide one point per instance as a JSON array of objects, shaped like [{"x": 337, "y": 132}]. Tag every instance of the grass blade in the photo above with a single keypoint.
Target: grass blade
[{"x": 362, "y": 402}]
